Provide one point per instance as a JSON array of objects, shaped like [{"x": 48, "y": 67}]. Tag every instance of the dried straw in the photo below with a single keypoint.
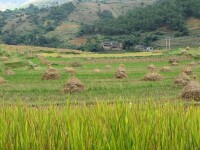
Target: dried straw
[
  {"x": 73, "y": 85},
  {"x": 191, "y": 91}
]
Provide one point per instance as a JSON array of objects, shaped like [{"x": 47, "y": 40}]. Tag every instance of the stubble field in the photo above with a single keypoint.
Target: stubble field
[{"x": 110, "y": 113}]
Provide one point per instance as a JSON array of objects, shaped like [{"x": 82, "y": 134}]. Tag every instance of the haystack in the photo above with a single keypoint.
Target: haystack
[
  {"x": 9, "y": 72},
  {"x": 121, "y": 72},
  {"x": 51, "y": 74},
  {"x": 182, "y": 79},
  {"x": 75, "y": 64},
  {"x": 187, "y": 70},
  {"x": 192, "y": 63},
  {"x": 191, "y": 91},
  {"x": 151, "y": 67},
  {"x": 2, "y": 80},
  {"x": 58, "y": 56},
  {"x": 184, "y": 52},
  {"x": 4, "y": 58},
  {"x": 153, "y": 76},
  {"x": 172, "y": 60},
  {"x": 174, "y": 64},
  {"x": 165, "y": 69},
  {"x": 108, "y": 67},
  {"x": 70, "y": 70},
  {"x": 73, "y": 85},
  {"x": 96, "y": 71},
  {"x": 187, "y": 48}
]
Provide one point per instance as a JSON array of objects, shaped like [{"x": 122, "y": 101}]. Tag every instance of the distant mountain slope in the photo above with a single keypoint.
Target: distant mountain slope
[{"x": 132, "y": 22}]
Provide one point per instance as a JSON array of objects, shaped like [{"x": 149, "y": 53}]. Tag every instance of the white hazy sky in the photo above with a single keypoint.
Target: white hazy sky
[{"x": 11, "y": 4}]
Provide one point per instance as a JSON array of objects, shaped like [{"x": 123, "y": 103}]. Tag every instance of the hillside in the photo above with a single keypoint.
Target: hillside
[
  {"x": 85, "y": 24},
  {"x": 193, "y": 38},
  {"x": 58, "y": 25},
  {"x": 150, "y": 25}
]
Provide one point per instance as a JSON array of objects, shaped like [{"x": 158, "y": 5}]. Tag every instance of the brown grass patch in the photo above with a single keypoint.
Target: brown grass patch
[
  {"x": 43, "y": 61},
  {"x": 191, "y": 91},
  {"x": 51, "y": 74},
  {"x": 73, "y": 85},
  {"x": 79, "y": 41}
]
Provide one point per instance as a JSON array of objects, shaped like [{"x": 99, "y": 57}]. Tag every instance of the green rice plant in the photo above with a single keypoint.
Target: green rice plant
[{"x": 101, "y": 126}]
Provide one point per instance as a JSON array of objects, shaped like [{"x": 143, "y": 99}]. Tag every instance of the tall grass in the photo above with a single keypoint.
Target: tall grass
[{"x": 101, "y": 126}]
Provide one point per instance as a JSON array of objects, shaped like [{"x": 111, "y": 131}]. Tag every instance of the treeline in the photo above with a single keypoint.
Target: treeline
[
  {"x": 169, "y": 13},
  {"x": 39, "y": 25}
]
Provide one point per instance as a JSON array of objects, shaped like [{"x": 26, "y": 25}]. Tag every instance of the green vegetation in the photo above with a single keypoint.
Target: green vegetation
[
  {"x": 27, "y": 82},
  {"x": 142, "y": 26},
  {"x": 36, "y": 23},
  {"x": 101, "y": 126},
  {"x": 170, "y": 13},
  {"x": 145, "y": 23},
  {"x": 110, "y": 113}
]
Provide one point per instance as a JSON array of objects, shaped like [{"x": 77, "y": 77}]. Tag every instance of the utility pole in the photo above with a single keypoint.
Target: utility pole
[{"x": 168, "y": 43}]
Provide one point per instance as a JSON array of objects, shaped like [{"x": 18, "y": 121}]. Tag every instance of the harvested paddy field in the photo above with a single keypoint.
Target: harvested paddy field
[
  {"x": 29, "y": 65},
  {"x": 61, "y": 99}
]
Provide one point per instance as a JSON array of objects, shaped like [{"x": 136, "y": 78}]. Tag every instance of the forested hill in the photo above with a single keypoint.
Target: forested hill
[
  {"x": 84, "y": 25},
  {"x": 163, "y": 13},
  {"x": 30, "y": 25}
]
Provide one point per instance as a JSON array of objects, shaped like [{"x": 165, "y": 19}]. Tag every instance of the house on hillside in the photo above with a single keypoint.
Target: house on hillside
[
  {"x": 113, "y": 45},
  {"x": 143, "y": 48},
  {"x": 149, "y": 49}
]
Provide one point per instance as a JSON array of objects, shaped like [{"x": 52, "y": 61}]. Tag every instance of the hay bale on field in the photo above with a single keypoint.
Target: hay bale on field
[
  {"x": 173, "y": 60},
  {"x": 75, "y": 64},
  {"x": 9, "y": 72},
  {"x": 73, "y": 85},
  {"x": 182, "y": 79},
  {"x": 153, "y": 76},
  {"x": 187, "y": 48},
  {"x": 187, "y": 70},
  {"x": 192, "y": 63},
  {"x": 4, "y": 58},
  {"x": 70, "y": 70},
  {"x": 121, "y": 72},
  {"x": 165, "y": 69},
  {"x": 96, "y": 71},
  {"x": 2, "y": 80},
  {"x": 191, "y": 91},
  {"x": 184, "y": 52},
  {"x": 51, "y": 74},
  {"x": 58, "y": 56},
  {"x": 108, "y": 67},
  {"x": 151, "y": 68},
  {"x": 174, "y": 64}
]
